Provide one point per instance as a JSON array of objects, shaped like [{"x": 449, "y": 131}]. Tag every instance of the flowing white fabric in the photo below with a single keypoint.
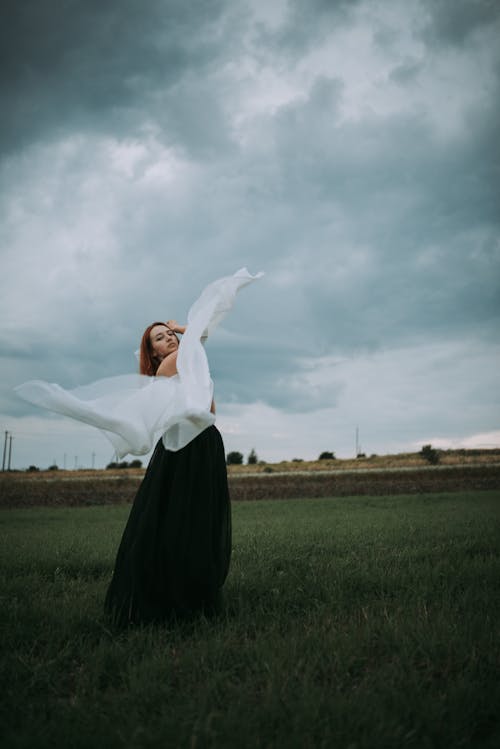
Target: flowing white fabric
[{"x": 134, "y": 410}]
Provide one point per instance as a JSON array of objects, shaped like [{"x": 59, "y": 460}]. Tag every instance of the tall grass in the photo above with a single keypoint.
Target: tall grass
[{"x": 348, "y": 622}]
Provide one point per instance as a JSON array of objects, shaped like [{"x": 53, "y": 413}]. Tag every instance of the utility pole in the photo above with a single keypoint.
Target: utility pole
[
  {"x": 10, "y": 449},
  {"x": 357, "y": 441},
  {"x": 5, "y": 450}
]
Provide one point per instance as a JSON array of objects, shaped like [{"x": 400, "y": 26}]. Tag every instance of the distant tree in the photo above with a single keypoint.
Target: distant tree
[
  {"x": 361, "y": 455},
  {"x": 327, "y": 456},
  {"x": 429, "y": 454},
  {"x": 53, "y": 468},
  {"x": 136, "y": 463},
  {"x": 252, "y": 458},
  {"x": 234, "y": 458},
  {"x": 33, "y": 468},
  {"x": 297, "y": 460},
  {"x": 123, "y": 464}
]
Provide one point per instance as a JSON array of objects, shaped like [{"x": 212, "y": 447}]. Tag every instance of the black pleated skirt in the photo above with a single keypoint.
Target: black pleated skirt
[{"x": 175, "y": 551}]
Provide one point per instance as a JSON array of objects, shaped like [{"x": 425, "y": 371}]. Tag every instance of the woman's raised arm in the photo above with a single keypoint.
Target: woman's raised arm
[{"x": 174, "y": 325}]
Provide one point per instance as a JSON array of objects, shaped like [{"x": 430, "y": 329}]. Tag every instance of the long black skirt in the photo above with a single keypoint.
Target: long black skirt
[{"x": 174, "y": 555}]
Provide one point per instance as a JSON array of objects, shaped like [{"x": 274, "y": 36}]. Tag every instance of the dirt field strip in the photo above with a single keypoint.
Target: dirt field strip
[{"x": 62, "y": 489}]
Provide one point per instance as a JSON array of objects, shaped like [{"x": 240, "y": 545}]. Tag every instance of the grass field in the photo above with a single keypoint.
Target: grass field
[{"x": 357, "y": 622}]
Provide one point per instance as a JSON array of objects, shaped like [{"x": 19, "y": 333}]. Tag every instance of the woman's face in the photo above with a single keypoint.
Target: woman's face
[{"x": 163, "y": 341}]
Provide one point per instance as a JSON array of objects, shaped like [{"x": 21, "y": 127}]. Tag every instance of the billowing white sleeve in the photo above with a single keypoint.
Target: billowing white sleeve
[{"x": 133, "y": 411}]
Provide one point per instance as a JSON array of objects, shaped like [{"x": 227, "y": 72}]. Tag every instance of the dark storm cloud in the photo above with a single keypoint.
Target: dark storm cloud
[
  {"x": 426, "y": 207},
  {"x": 305, "y": 25},
  {"x": 455, "y": 21},
  {"x": 277, "y": 370},
  {"x": 102, "y": 65}
]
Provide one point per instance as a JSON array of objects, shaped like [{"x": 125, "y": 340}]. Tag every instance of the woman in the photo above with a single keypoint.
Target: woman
[{"x": 175, "y": 550}]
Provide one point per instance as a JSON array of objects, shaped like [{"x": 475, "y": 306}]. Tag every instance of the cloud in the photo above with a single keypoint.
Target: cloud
[
  {"x": 347, "y": 149},
  {"x": 100, "y": 66},
  {"x": 481, "y": 441},
  {"x": 455, "y": 21},
  {"x": 391, "y": 396}
]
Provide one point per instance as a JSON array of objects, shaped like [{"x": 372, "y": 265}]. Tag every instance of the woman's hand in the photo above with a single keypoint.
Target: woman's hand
[{"x": 173, "y": 325}]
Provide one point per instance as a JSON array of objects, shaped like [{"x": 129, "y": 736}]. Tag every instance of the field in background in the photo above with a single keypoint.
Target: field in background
[
  {"x": 401, "y": 460},
  {"x": 394, "y": 474},
  {"x": 363, "y": 621},
  {"x": 459, "y": 470}
]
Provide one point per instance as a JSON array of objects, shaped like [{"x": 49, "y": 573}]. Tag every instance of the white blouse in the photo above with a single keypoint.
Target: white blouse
[{"x": 134, "y": 410}]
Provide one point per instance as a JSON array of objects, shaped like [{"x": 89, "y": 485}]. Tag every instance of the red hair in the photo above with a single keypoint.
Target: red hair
[{"x": 148, "y": 363}]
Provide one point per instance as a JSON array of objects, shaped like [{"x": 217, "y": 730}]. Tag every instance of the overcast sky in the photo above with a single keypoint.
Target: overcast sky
[{"x": 348, "y": 149}]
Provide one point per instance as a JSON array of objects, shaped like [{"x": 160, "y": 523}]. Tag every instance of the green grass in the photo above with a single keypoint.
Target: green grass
[{"x": 349, "y": 622}]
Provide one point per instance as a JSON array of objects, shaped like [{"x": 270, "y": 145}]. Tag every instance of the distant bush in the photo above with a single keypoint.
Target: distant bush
[
  {"x": 475, "y": 451},
  {"x": 33, "y": 468},
  {"x": 268, "y": 469},
  {"x": 297, "y": 460},
  {"x": 430, "y": 454},
  {"x": 123, "y": 464},
  {"x": 53, "y": 468},
  {"x": 234, "y": 458},
  {"x": 361, "y": 455},
  {"x": 327, "y": 456}
]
